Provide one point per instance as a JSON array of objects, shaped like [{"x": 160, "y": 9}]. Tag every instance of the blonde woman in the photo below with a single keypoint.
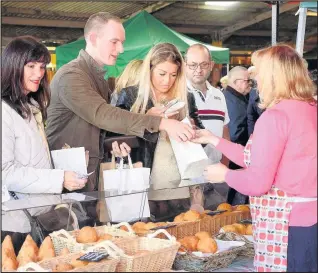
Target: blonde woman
[
  {"x": 162, "y": 79},
  {"x": 280, "y": 174},
  {"x": 129, "y": 77}
]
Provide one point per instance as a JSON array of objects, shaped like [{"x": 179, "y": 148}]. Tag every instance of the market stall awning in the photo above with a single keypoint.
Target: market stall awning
[{"x": 142, "y": 32}]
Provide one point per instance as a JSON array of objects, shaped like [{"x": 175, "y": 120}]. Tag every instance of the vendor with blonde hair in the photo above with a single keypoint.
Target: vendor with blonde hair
[
  {"x": 280, "y": 174},
  {"x": 162, "y": 79}
]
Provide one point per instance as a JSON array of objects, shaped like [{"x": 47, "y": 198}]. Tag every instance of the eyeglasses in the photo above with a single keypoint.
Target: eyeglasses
[
  {"x": 194, "y": 66},
  {"x": 248, "y": 81}
]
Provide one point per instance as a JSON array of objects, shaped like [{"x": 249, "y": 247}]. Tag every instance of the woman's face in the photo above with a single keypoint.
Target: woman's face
[
  {"x": 163, "y": 76},
  {"x": 32, "y": 76}
]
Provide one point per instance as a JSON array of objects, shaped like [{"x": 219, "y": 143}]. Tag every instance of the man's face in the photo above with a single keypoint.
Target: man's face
[
  {"x": 109, "y": 43},
  {"x": 198, "y": 66},
  {"x": 242, "y": 82}
]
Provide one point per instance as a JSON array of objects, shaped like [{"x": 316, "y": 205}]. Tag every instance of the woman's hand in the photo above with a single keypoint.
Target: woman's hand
[
  {"x": 205, "y": 137},
  {"x": 215, "y": 173},
  {"x": 160, "y": 112},
  {"x": 72, "y": 182},
  {"x": 121, "y": 150}
]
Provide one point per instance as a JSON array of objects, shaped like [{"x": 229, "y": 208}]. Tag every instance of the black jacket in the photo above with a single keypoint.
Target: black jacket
[
  {"x": 145, "y": 154},
  {"x": 253, "y": 111},
  {"x": 237, "y": 108}
]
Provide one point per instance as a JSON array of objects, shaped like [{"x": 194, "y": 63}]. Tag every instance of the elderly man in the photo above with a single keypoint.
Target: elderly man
[
  {"x": 212, "y": 110},
  {"x": 80, "y": 112},
  {"x": 236, "y": 95}
]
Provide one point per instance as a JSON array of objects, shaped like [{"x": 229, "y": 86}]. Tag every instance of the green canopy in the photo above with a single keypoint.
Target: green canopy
[
  {"x": 142, "y": 32},
  {"x": 309, "y": 5}
]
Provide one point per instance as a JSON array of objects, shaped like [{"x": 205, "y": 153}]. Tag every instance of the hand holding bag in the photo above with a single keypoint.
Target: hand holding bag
[{"x": 130, "y": 206}]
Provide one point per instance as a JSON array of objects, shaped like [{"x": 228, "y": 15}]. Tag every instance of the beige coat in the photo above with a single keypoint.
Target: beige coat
[{"x": 26, "y": 167}]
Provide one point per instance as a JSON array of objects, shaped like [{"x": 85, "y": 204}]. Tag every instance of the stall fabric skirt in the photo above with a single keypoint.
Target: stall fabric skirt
[{"x": 302, "y": 249}]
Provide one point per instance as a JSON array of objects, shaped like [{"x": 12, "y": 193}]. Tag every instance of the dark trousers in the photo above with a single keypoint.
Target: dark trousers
[
  {"x": 17, "y": 239},
  {"x": 302, "y": 249}
]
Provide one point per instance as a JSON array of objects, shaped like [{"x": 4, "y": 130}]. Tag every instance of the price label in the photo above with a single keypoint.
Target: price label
[{"x": 93, "y": 256}]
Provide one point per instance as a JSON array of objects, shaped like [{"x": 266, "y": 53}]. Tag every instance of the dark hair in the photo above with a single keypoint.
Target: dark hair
[{"x": 15, "y": 56}]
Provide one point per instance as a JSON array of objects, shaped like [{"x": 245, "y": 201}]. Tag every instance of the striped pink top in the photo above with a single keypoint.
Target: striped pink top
[{"x": 284, "y": 154}]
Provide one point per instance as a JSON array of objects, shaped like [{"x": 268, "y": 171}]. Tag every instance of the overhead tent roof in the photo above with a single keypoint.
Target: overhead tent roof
[{"x": 142, "y": 32}]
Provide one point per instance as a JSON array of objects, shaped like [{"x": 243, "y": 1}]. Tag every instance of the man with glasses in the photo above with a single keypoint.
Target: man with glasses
[
  {"x": 236, "y": 95},
  {"x": 211, "y": 104}
]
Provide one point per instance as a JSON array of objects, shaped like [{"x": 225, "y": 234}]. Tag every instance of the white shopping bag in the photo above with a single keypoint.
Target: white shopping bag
[
  {"x": 131, "y": 206},
  {"x": 191, "y": 157}
]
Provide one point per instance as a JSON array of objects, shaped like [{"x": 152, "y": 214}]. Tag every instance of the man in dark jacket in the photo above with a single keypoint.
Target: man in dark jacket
[
  {"x": 253, "y": 111},
  {"x": 236, "y": 95}
]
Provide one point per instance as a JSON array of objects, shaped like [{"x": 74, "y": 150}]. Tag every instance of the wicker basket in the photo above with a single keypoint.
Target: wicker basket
[
  {"x": 62, "y": 238},
  {"x": 107, "y": 265},
  {"x": 160, "y": 253},
  {"x": 249, "y": 251},
  {"x": 212, "y": 224},
  {"x": 193, "y": 263}
]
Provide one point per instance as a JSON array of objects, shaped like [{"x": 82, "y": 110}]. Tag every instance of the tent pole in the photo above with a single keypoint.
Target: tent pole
[
  {"x": 301, "y": 31},
  {"x": 227, "y": 68},
  {"x": 275, "y": 22}
]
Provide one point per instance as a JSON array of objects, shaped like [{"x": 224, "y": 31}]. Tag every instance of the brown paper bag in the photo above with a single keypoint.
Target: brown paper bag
[{"x": 102, "y": 211}]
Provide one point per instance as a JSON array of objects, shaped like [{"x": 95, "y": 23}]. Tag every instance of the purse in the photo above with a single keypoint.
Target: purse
[{"x": 63, "y": 216}]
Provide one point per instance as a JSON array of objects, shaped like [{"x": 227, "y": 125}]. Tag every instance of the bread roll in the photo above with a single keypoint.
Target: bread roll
[
  {"x": 7, "y": 247},
  {"x": 150, "y": 225},
  {"x": 228, "y": 228},
  {"x": 207, "y": 245},
  {"x": 28, "y": 252},
  {"x": 202, "y": 235},
  {"x": 139, "y": 225},
  {"x": 87, "y": 235},
  {"x": 105, "y": 237},
  {"x": 242, "y": 208},
  {"x": 9, "y": 260},
  {"x": 225, "y": 206},
  {"x": 241, "y": 229},
  {"x": 189, "y": 242},
  {"x": 124, "y": 228},
  {"x": 179, "y": 218},
  {"x": 249, "y": 229},
  {"x": 191, "y": 215}
]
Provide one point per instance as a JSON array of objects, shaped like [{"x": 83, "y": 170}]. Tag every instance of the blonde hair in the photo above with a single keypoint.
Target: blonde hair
[
  {"x": 224, "y": 79},
  {"x": 282, "y": 75},
  {"x": 130, "y": 75},
  {"x": 158, "y": 54}
]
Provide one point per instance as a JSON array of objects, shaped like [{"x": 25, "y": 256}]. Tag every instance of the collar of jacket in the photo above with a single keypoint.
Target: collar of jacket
[
  {"x": 236, "y": 93},
  {"x": 101, "y": 71}
]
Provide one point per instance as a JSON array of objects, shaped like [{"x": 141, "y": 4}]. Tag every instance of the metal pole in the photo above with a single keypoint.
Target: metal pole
[
  {"x": 227, "y": 68},
  {"x": 301, "y": 31},
  {"x": 275, "y": 15}
]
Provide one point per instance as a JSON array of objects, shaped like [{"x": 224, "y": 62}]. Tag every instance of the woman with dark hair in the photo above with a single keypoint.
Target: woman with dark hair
[{"x": 26, "y": 163}]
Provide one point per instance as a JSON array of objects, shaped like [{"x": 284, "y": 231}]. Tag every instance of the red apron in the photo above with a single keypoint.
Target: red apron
[{"x": 270, "y": 217}]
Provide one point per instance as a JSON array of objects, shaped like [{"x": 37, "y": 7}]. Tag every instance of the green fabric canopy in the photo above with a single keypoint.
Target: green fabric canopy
[{"x": 142, "y": 32}]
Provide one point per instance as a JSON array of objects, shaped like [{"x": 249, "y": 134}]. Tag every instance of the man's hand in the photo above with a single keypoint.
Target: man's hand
[
  {"x": 160, "y": 112},
  {"x": 177, "y": 130},
  {"x": 121, "y": 150},
  {"x": 215, "y": 173}
]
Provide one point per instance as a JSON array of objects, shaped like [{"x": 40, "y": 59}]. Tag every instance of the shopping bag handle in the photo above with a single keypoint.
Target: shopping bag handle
[
  {"x": 33, "y": 266},
  {"x": 127, "y": 225},
  {"x": 63, "y": 233},
  {"x": 121, "y": 163},
  {"x": 169, "y": 236},
  {"x": 75, "y": 220},
  {"x": 111, "y": 249}
]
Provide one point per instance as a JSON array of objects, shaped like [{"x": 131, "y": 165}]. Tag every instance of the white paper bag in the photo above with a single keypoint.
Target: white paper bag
[
  {"x": 130, "y": 206},
  {"x": 191, "y": 157},
  {"x": 72, "y": 159}
]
